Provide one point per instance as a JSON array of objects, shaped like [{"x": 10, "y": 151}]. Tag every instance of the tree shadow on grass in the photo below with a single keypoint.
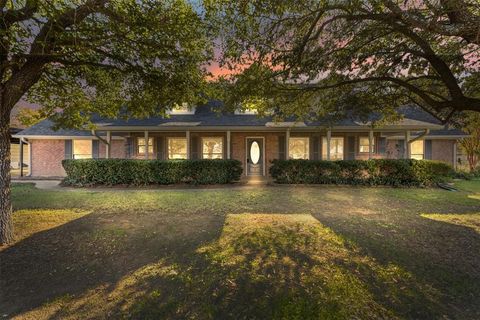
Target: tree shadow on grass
[
  {"x": 439, "y": 255},
  {"x": 244, "y": 266},
  {"x": 276, "y": 266},
  {"x": 95, "y": 251}
]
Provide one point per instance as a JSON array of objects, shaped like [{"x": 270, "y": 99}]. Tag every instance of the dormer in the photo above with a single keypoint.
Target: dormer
[
  {"x": 183, "y": 109},
  {"x": 247, "y": 109}
]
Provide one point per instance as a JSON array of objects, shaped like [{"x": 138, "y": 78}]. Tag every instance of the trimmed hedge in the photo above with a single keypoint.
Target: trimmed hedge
[
  {"x": 83, "y": 172},
  {"x": 390, "y": 172}
]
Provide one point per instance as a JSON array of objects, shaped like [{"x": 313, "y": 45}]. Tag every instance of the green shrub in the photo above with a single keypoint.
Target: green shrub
[
  {"x": 391, "y": 172},
  {"x": 83, "y": 172}
]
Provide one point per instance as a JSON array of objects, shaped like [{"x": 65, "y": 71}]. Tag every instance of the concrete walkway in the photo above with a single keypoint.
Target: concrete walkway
[
  {"x": 41, "y": 184},
  {"x": 54, "y": 184}
]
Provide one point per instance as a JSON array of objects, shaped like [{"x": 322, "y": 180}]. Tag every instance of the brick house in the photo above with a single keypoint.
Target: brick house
[{"x": 208, "y": 132}]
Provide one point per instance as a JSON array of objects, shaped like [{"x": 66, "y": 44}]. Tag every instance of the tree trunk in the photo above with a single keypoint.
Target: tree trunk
[{"x": 6, "y": 226}]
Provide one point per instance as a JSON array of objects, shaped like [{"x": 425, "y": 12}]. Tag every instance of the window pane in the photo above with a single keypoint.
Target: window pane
[
  {"x": 416, "y": 149},
  {"x": 336, "y": 148},
  {"x": 298, "y": 148},
  {"x": 212, "y": 148},
  {"x": 364, "y": 144},
  {"x": 141, "y": 145},
  {"x": 177, "y": 148},
  {"x": 82, "y": 149}
]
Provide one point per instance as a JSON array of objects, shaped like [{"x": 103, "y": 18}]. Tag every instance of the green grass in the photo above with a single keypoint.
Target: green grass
[
  {"x": 471, "y": 220},
  {"x": 257, "y": 253}
]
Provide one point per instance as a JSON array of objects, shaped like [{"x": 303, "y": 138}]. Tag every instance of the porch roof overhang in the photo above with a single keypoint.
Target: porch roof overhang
[
  {"x": 358, "y": 128},
  {"x": 61, "y": 137}
]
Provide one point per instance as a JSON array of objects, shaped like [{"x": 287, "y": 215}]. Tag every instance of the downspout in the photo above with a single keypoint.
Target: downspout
[{"x": 426, "y": 132}]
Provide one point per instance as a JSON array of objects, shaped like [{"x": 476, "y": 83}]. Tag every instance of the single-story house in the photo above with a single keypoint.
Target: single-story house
[{"x": 209, "y": 132}]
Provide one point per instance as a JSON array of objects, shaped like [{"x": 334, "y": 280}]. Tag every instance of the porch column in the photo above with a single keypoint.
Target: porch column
[
  {"x": 287, "y": 138},
  {"x": 187, "y": 135},
  {"x": 146, "y": 145},
  {"x": 108, "y": 148},
  {"x": 228, "y": 144},
  {"x": 329, "y": 138},
  {"x": 21, "y": 157},
  {"x": 406, "y": 145},
  {"x": 370, "y": 144}
]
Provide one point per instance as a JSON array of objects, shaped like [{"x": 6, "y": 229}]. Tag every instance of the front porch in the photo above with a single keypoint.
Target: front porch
[{"x": 255, "y": 149}]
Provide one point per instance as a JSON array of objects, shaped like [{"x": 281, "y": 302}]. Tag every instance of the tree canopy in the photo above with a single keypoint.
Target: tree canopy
[
  {"x": 84, "y": 56},
  {"x": 339, "y": 58}
]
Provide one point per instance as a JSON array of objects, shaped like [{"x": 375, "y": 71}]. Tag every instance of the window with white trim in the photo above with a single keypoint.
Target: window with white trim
[
  {"x": 142, "y": 146},
  {"x": 364, "y": 144},
  {"x": 82, "y": 149},
  {"x": 177, "y": 148},
  {"x": 336, "y": 148},
  {"x": 212, "y": 147},
  {"x": 417, "y": 149},
  {"x": 299, "y": 148}
]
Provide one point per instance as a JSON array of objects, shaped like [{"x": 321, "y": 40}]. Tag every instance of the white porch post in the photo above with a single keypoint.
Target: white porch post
[
  {"x": 370, "y": 144},
  {"x": 329, "y": 138},
  {"x": 146, "y": 144},
  {"x": 228, "y": 144},
  {"x": 108, "y": 145},
  {"x": 287, "y": 151},
  {"x": 407, "y": 154},
  {"x": 21, "y": 157},
  {"x": 187, "y": 135}
]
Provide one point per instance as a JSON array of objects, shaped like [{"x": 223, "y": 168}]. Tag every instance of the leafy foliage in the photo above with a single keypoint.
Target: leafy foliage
[
  {"x": 471, "y": 144},
  {"x": 136, "y": 58},
  {"x": 346, "y": 58},
  {"x": 28, "y": 117},
  {"x": 81, "y": 172},
  {"x": 391, "y": 172}
]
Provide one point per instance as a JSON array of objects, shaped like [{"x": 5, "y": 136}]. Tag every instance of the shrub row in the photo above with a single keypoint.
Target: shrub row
[
  {"x": 83, "y": 172},
  {"x": 390, "y": 172}
]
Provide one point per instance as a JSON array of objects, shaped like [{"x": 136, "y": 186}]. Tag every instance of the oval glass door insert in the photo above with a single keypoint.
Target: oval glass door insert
[{"x": 255, "y": 152}]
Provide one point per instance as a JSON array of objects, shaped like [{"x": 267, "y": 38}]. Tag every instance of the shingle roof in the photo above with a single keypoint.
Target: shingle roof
[
  {"x": 213, "y": 114},
  {"x": 44, "y": 128},
  {"x": 447, "y": 132}
]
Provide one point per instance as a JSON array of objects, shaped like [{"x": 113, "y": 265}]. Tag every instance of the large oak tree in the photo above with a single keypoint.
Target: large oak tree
[
  {"x": 78, "y": 57},
  {"x": 352, "y": 57}
]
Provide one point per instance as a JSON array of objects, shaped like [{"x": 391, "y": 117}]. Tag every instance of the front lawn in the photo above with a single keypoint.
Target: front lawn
[{"x": 247, "y": 253}]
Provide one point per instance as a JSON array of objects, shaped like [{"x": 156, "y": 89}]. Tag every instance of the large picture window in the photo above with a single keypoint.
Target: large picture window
[
  {"x": 364, "y": 144},
  {"x": 141, "y": 145},
  {"x": 82, "y": 149},
  {"x": 212, "y": 148},
  {"x": 299, "y": 148},
  {"x": 417, "y": 150},
  {"x": 177, "y": 148},
  {"x": 336, "y": 148}
]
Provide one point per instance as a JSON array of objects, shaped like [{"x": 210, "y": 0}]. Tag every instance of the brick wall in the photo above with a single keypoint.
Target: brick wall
[
  {"x": 47, "y": 156},
  {"x": 393, "y": 149},
  {"x": 118, "y": 149},
  {"x": 442, "y": 150}
]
